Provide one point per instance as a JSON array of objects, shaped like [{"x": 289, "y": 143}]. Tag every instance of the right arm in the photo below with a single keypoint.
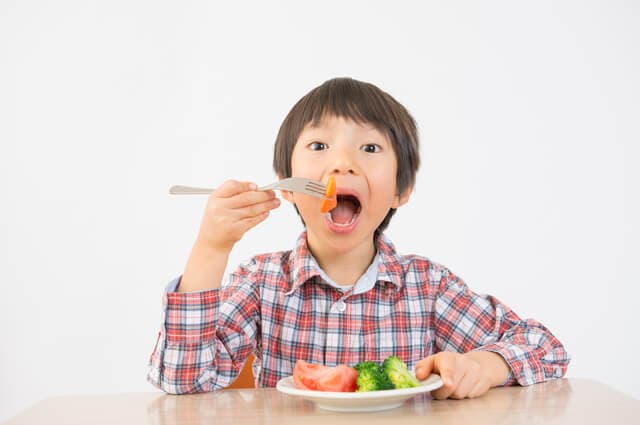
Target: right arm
[
  {"x": 198, "y": 348},
  {"x": 206, "y": 336},
  {"x": 232, "y": 209}
]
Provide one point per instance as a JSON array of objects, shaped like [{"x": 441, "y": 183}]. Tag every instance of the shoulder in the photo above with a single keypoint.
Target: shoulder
[
  {"x": 426, "y": 269},
  {"x": 415, "y": 268},
  {"x": 271, "y": 261},
  {"x": 264, "y": 268}
]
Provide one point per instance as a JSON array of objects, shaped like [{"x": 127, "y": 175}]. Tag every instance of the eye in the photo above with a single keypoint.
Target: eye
[
  {"x": 371, "y": 148},
  {"x": 318, "y": 146}
]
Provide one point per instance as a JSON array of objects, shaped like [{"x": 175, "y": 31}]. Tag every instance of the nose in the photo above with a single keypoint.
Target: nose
[{"x": 343, "y": 163}]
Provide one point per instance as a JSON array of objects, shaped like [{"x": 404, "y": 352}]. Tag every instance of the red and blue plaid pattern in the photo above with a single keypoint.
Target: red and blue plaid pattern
[{"x": 277, "y": 307}]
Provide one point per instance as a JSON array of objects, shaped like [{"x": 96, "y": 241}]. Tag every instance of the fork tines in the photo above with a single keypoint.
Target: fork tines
[{"x": 315, "y": 187}]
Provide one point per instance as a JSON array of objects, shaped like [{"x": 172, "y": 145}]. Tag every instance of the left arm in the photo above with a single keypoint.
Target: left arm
[{"x": 499, "y": 348}]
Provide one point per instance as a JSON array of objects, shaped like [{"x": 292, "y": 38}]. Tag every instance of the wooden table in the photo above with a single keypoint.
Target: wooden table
[{"x": 567, "y": 401}]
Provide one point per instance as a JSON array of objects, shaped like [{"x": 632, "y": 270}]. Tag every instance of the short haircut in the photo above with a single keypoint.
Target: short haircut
[{"x": 363, "y": 103}]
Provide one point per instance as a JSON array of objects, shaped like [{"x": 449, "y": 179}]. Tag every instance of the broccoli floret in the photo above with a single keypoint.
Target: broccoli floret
[
  {"x": 371, "y": 377},
  {"x": 397, "y": 372},
  {"x": 366, "y": 365}
]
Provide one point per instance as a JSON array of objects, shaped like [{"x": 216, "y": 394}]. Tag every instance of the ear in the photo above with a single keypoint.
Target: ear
[
  {"x": 285, "y": 194},
  {"x": 402, "y": 198}
]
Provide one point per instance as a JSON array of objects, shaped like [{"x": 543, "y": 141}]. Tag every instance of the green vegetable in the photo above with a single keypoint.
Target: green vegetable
[
  {"x": 371, "y": 377},
  {"x": 396, "y": 371},
  {"x": 366, "y": 365}
]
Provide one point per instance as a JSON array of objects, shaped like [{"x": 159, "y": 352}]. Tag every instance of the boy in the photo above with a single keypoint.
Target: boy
[{"x": 342, "y": 295}]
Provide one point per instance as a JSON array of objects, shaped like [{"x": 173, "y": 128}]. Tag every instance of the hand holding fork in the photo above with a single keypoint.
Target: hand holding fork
[
  {"x": 291, "y": 184},
  {"x": 235, "y": 207}
]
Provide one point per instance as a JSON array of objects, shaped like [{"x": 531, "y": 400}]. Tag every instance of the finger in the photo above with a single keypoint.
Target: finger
[
  {"x": 442, "y": 393},
  {"x": 442, "y": 363},
  {"x": 233, "y": 187},
  {"x": 445, "y": 364},
  {"x": 424, "y": 367},
  {"x": 447, "y": 390},
  {"x": 478, "y": 389},
  {"x": 248, "y": 223},
  {"x": 245, "y": 199},
  {"x": 256, "y": 209},
  {"x": 464, "y": 386}
]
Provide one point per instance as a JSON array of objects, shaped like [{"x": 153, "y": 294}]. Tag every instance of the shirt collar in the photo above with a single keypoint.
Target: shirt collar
[
  {"x": 390, "y": 266},
  {"x": 304, "y": 266}
]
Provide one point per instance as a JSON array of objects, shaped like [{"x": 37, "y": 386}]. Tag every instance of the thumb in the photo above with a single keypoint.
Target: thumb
[
  {"x": 436, "y": 363},
  {"x": 234, "y": 187},
  {"x": 424, "y": 367}
]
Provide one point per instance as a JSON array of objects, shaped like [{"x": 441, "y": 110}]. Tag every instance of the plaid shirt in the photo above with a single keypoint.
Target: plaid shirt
[{"x": 277, "y": 307}]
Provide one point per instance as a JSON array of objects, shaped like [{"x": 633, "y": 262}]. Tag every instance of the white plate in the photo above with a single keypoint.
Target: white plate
[{"x": 359, "y": 402}]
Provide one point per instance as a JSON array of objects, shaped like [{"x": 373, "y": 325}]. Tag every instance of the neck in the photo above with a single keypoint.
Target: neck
[{"x": 343, "y": 266}]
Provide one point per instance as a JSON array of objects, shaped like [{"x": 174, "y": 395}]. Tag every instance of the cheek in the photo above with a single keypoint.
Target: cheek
[
  {"x": 304, "y": 165},
  {"x": 383, "y": 184},
  {"x": 307, "y": 205}
]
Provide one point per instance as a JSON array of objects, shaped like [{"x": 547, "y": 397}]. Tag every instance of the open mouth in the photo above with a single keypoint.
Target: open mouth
[{"x": 346, "y": 211}]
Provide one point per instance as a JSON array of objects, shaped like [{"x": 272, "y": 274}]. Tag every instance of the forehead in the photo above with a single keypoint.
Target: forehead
[{"x": 335, "y": 124}]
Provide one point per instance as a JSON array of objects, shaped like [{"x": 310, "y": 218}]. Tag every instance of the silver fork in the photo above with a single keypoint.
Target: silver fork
[{"x": 291, "y": 184}]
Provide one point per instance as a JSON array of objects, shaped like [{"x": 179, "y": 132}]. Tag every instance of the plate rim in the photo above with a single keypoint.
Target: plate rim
[{"x": 285, "y": 385}]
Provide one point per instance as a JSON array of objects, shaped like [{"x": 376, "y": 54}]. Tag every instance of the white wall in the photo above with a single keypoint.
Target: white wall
[{"x": 528, "y": 114}]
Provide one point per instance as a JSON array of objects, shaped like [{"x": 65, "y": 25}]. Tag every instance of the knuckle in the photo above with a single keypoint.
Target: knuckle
[
  {"x": 477, "y": 392},
  {"x": 264, "y": 197},
  {"x": 213, "y": 209},
  {"x": 257, "y": 197},
  {"x": 440, "y": 395},
  {"x": 445, "y": 357},
  {"x": 229, "y": 184}
]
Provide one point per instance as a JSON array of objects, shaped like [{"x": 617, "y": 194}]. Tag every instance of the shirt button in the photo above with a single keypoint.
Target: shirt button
[{"x": 340, "y": 306}]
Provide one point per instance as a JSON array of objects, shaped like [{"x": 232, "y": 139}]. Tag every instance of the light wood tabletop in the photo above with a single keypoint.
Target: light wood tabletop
[{"x": 566, "y": 401}]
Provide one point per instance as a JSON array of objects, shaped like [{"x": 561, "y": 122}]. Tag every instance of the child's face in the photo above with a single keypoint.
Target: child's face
[{"x": 364, "y": 165}]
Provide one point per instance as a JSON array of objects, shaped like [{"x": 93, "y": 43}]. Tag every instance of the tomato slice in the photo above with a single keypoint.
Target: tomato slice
[
  {"x": 340, "y": 378},
  {"x": 317, "y": 377},
  {"x": 306, "y": 375},
  {"x": 305, "y": 383}
]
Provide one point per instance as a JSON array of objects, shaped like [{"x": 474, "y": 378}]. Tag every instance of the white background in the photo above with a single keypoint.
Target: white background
[{"x": 528, "y": 115}]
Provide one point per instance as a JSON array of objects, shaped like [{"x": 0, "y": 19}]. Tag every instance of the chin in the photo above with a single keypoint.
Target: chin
[{"x": 344, "y": 242}]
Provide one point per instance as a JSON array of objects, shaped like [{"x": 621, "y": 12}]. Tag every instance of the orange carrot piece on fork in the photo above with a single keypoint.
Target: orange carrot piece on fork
[{"x": 330, "y": 200}]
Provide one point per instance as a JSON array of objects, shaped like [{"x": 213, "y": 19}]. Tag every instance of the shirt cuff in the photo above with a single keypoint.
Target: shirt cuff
[
  {"x": 173, "y": 285},
  {"x": 508, "y": 357},
  {"x": 190, "y": 317}
]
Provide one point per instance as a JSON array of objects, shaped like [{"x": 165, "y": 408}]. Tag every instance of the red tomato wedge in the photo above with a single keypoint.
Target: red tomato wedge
[
  {"x": 330, "y": 200},
  {"x": 308, "y": 376}
]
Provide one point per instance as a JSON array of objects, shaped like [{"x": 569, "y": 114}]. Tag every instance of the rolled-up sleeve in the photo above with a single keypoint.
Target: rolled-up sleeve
[
  {"x": 205, "y": 336},
  {"x": 467, "y": 321}
]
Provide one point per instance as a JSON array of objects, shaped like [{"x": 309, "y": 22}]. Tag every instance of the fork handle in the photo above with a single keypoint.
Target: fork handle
[
  {"x": 189, "y": 190},
  {"x": 192, "y": 190}
]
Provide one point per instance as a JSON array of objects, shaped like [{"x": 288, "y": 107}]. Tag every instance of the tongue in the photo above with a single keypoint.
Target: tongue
[{"x": 343, "y": 212}]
